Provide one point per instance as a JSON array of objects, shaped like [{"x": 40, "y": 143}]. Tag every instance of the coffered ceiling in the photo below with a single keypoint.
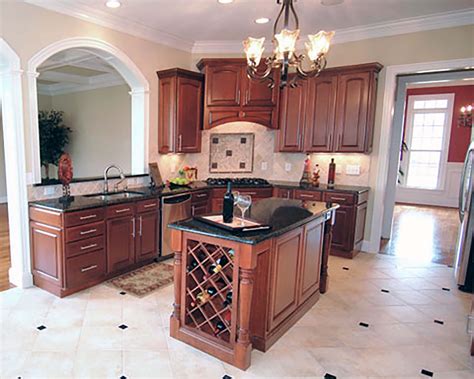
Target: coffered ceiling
[{"x": 190, "y": 24}]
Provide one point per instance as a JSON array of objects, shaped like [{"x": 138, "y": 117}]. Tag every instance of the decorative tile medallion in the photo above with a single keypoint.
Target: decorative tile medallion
[{"x": 231, "y": 153}]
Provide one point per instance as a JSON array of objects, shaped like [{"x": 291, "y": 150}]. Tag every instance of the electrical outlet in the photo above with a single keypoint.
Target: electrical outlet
[
  {"x": 353, "y": 169},
  {"x": 288, "y": 167},
  {"x": 264, "y": 166},
  {"x": 49, "y": 190}
]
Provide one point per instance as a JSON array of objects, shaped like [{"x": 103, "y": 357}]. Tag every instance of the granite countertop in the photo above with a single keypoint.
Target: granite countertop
[
  {"x": 80, "y": 202},
  {"x": 322, "y": 187},
  {"x": 283, "y": 215}
]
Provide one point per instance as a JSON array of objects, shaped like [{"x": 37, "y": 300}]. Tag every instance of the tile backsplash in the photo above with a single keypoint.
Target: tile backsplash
[{"x": 268, "y": 164}]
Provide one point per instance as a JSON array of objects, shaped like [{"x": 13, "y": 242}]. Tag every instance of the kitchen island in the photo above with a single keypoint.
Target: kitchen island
[{"x": 238, "y": 291}]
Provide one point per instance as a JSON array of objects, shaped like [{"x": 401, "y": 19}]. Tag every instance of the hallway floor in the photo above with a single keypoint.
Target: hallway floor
[
  {"x": 4, "y": 248},
  {"x": 423, "y": 234},
  {"x": 416, "y": 323}
]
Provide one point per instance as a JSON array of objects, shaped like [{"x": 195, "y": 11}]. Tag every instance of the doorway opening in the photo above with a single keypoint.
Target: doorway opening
[{"x": 427, "y": 152}]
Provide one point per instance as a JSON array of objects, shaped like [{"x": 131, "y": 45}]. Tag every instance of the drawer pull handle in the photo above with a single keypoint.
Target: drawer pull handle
[
  {"x": 307, "y": 196},
  {"x": 338, "y": 198},
  {"x": 202, "y": 195},
  {"x": 88, "y": 232},
  {"x": 149, "y": 205},
  {"x": 87, "y": 217},
  {"x": 249, "y": 193},
  {"x": 88, "y": 268},
  {"x": 122, "y": 210},
  {"x": 88, "y": 246}
]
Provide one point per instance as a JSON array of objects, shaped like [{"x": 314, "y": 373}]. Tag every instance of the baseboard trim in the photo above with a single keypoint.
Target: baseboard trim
[
  {"x": 365, "y": 247},
  {"x": 20, "y": 279}
]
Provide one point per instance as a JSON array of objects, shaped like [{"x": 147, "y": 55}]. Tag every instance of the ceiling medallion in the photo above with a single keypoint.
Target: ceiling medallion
[{"x": 284, "y": 55}]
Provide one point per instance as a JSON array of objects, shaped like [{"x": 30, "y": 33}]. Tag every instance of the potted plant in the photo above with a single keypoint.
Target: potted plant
[{"x": 54, "y": 136}]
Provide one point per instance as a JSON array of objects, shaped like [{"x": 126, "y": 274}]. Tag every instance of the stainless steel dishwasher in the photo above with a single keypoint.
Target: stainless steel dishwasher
[{"x": 173, "y": 208}]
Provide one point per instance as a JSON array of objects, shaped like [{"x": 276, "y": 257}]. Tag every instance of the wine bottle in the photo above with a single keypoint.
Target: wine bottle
[
  {"x": 202, "y": 297},
  {"x": 211, "y": 291},
  {"x": 192, "y": 265},
  {"x": 228, "y": 299},
  {"x": 332, "y": 174},
  {"x": 220, "y": 326},
  {"x": 228, "y": 208}
]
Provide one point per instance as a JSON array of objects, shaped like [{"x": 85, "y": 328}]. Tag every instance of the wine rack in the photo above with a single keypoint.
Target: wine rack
[{"x": 210, "y": 290}]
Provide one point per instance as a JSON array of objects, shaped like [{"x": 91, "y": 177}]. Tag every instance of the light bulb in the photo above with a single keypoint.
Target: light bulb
[
  {"x": 286, "y": 42},
  {"x": 253, "y": 48},
  {"x": 318, "y": 44},
  {"x": 113, "y": 4}
]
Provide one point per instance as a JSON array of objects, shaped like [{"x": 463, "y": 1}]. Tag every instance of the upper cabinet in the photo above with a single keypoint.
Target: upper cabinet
[
  {"x": 231, "y": 96},
  {"x": 339, "y": 111},
  {"x": 179, "y": 111}
]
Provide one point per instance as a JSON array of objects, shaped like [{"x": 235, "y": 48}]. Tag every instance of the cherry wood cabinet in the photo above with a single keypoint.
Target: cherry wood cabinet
[
  {"x": 180, "y": 102},
  {"x": 332, "y": 113},
  {"x": 292, "y": 118},
  {"x": 217, "y": 198},
  {"x": 75, "y": 250},
  {"x": 200, "y": 202},
  {"x": 231, "y": 96}
]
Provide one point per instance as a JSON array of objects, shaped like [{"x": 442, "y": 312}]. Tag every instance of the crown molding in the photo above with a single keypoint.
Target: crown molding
[
  {"x": 403, "y": 26},
  {"x": 101, "y": 18}
]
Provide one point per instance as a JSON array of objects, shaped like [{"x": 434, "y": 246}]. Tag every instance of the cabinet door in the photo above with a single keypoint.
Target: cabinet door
[
  {"x": 223, "y": 84},
  {"x": 217, "y": 205},
  {"x": 284, "y": 277},
  {"x": 292, "y": 117},
  {"x": 166, "y": 114},
  {"x": 199, "y": 209},
  {"x": 343, "y": 230},
  {"x": 311, "y": 259},
  {"x": 189, "y": 115},
  {"x": 147, "y": 236},
  {"x": 47, "y": 249},
  {"x": 352, "y": 112},
  {"x": 285, "y": 193},
  {"x": 259, "y": 94},
  {"x": 319, "y": 123},
  {"x": 215, "y": 116},
  {"x": 120, "y": 243}
]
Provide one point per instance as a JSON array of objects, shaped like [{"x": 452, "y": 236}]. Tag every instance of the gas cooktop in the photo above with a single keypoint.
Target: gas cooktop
[{"x": 238, "y": 182}]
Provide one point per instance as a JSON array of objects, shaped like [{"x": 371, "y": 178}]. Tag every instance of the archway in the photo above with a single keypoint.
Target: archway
[
  {"x": 129, "y": 71},
  {"x": 13, "y": 132}
]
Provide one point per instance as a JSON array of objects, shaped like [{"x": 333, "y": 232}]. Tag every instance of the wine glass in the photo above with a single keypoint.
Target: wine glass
[{"x": 243, "y": 202}]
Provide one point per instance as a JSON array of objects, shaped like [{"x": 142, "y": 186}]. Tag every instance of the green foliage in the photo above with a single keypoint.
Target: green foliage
[{"x": 54, "y": 136}]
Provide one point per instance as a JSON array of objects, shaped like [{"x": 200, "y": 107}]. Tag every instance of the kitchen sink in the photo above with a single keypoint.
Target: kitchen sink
[{"x": 115, "y": 195}]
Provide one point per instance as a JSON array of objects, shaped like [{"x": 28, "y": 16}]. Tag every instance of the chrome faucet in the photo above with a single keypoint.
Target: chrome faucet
[{"x": 106, "y": 178}]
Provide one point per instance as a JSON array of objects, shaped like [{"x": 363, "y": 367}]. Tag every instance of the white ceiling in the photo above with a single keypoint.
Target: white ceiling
[{"x": 198, "y": 21}]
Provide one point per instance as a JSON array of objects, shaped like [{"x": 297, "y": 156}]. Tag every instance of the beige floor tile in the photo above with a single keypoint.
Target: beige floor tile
[
  {"x": 16, "y": 339},
  {"x": 341, "y": 362},
  {"x": 98, "y": 364},
  {"x": 103, "y": 316},
  {"x": 463, "y": 374},
  {"x": 150, "y": 339},
  {"x": 407, "y": 313},
  {"x": 189, "y": 362},
  {"x": 100, "y": 338},
  {"x": 67, "y": 316},
  {"x": 43, "y": 364},
  {"x": 57, "y": 339},
  {"x": 12, "y": 362},
  {"x": 308, "y": 336},
  {"x": 413, "y": 298},
  {"x": 147, "y": 364},
  {"x": 398, "y": 334}
]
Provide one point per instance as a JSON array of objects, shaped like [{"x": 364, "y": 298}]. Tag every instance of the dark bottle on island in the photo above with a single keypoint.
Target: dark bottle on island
[
  {"x": 228, "y": 209},
  {"x": 332, "y": 174}
]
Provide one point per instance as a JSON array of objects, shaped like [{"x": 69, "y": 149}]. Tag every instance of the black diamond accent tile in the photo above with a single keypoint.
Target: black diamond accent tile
[
  {"x": 329, "y": 376},
  {"x": 364, "y": 324},
  {"x": 123, "y": 326},
  {"x": 385, "y": 291},
  {"x": 122, "y": 293},
  {"x": 227, "y": 377},
  {"x": 41, "y": 327},
  {"x": 123, "y": 377},
  {"x": 346, "y": 268},
  {"x": 446, "y": 289},
  {"x": 439, "y": 322},
  {"x": 427, "y": 372},
  {"x": 450, "y": 266}
]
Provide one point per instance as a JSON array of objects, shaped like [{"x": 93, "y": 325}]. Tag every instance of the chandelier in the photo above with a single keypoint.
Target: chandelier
[{"x": 284, "y": 55}]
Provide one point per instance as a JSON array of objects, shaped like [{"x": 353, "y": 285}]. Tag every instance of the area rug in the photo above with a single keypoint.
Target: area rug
[{"x": 145, "y": 280}]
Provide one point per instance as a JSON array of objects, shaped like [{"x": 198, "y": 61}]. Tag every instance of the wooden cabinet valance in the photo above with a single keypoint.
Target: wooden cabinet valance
[{"x": 229, "y": 95}]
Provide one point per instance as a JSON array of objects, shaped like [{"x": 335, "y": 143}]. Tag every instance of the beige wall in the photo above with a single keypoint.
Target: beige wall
[
  {"x": 3, "y": 181},
  {"x": 45, "y": 102},
  {"x": 28, "y": 29},
  {"x": 100, "y": 120}
]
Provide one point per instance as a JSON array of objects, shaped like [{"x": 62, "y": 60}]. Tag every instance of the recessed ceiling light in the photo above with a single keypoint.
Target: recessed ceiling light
[
  {"x": 331, "y": 2},
  {"x": 262, "y": 20},
  {"x": 113, "y": 3},
  {"x": 225, "y": 1}
]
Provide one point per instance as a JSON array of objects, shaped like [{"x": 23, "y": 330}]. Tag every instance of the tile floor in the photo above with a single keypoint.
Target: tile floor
[{"x": 82, "y": 337}]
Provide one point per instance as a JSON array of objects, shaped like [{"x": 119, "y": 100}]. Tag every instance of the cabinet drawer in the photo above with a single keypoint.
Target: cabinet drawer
[
  {"x": 363, "y": 197},
  {"x": 147, "y": 205},
  {"x": 84, "y": 217},
  {"x": 85, "y": 231},
  {"x": 199, "y": 197},
  {"x": 284, "y": 193},
  {"x": 85, "y": 246},
  {"x": 199, "y": 209},
  {"x": 308, "y": 195},
  {"x": 339, "y": 198},
  {"x": 120, "y": 210},
  {"x": 85, "y": 268},
  {"x": 256, "y": 192}
]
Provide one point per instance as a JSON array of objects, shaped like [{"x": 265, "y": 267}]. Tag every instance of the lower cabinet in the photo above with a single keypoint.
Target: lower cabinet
[
  {"x": 217, "y": 200},
  {"x": 72, "y": 251}
]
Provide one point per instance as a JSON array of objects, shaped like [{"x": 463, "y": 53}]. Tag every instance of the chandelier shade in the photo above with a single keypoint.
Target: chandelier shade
[{"x": 284, "y": 55}]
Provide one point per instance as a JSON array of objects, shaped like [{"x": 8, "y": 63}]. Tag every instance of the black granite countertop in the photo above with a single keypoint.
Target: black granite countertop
[
  {"x": 281, "y": 214},
  {"x": 322, "y": 187}
]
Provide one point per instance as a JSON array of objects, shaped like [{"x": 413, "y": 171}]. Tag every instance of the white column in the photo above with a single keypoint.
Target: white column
[{"x": 140, "y": 133}]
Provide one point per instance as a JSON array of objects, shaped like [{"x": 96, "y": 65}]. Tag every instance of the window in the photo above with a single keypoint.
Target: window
[{"x": 428, "y": 125}]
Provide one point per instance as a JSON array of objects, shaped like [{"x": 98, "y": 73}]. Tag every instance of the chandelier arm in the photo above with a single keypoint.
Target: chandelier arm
[
  {"x": 275, "y": 25},
  {"x": 318, "y": 66},
  {"x": 292, "y": 8},
  {"x": 253, "y": 73}
]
